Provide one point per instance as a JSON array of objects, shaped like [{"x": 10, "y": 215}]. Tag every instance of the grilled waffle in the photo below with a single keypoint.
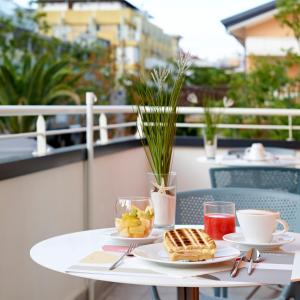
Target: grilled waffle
[{"x": 189, "y": 244}]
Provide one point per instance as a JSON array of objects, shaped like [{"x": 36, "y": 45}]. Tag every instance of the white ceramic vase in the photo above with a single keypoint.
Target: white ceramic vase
[{"x": 163, "y": 198}]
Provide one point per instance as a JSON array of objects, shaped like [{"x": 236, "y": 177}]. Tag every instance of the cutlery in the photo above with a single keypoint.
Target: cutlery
[
  {"x": 255, "y": 258},
  {"x": 250, "y": 266},
  {"x": 245, "y": 257},
  {"x": 131, "y": 247}
]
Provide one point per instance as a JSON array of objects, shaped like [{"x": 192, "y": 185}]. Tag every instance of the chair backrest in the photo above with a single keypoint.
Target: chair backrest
[
  {"x": 273, "y": 178},
  {"x": 189, "y": 205}
]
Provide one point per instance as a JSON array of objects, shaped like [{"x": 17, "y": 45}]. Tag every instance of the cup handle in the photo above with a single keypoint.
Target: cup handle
[{"x": 285, "y": 227}]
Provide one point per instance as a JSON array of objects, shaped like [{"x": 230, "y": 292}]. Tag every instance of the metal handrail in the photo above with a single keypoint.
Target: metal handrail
[
  {"x": 48, "y": 110},
  {"x": 102, "y": 110}
]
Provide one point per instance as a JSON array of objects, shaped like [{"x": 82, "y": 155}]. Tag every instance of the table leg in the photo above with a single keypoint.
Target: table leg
[
  {"x": 91, "y": 289},
  {"x": 188, "y": 293}
]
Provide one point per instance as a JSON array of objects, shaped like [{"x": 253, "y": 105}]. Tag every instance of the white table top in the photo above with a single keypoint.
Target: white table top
[
  {"x": 231, "y": 160},
  {"x": 59, "y": 253}
]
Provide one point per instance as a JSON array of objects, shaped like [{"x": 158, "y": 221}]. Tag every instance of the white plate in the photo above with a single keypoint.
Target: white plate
[
  {"x": 157, "y": 253},
  {"x": 268, "y": 157},
  {"x": 237, "y": 239},
  {"x": 155, "y": 235}
]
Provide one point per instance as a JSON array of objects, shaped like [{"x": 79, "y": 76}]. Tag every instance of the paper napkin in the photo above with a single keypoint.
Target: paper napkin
[{"x": 99, "y": 262}]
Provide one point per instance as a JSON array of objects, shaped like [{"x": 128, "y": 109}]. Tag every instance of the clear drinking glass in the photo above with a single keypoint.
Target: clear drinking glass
[
  {"x": 210, "y": 147},
  {"x": 219, "y": 218},
  {"x": 134, "y": 216}
]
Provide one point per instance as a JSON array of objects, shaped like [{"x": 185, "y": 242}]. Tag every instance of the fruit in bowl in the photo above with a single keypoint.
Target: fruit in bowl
[{"x": 134, "y": 222}]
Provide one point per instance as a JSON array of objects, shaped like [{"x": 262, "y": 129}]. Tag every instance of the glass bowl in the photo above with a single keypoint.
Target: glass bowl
[{"x": 134, "y": 216}]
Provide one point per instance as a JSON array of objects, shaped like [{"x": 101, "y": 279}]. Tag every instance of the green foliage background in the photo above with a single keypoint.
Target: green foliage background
[
  {"x": 36, "y": 69},
  {"x": 62, "y": 72}
]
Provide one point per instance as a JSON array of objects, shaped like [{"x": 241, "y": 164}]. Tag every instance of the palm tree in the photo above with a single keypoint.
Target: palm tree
[{"x": 38, "y": 81}]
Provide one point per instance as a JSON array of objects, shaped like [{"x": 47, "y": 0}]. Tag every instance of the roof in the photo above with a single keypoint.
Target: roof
[
  {"x": 124, "y": 2},
  {"x": 249, "y": 14}
]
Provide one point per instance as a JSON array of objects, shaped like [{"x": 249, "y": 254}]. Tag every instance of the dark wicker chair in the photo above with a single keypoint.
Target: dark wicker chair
[{"x": 271, "y": 178}]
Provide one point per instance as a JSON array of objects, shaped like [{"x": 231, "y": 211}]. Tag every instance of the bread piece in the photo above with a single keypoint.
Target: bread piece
[{"x": 189, "y": 244}]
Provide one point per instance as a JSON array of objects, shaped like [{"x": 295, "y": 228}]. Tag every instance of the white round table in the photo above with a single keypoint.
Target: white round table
[
  {"x": 60, "y": 252},
  {"x": 226, "y": 160}
]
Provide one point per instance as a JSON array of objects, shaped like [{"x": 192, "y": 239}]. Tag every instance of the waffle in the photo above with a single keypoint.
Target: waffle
[{"x": 189, "y": 244}]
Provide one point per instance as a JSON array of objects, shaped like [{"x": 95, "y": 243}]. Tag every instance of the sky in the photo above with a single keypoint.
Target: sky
[{"x": 198, "y": 22}]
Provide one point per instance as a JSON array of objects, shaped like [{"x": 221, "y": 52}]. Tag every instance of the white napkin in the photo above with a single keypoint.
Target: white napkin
[{"x": 99, "y": 262}]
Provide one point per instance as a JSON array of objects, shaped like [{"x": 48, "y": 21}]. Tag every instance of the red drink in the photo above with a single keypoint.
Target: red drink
[{"x": 218, "y": 224}]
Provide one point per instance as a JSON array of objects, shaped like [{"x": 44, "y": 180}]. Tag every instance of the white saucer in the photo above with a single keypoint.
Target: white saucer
[
  {"x": 154, "y": 236},
  {"x": 157, "y": 253},
  {"x": 237, "y": 239},
  {"x": 268, "y": 157}
]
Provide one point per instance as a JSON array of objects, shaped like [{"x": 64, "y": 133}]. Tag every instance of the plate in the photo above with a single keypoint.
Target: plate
[
  {"x": 155, "y": 235},
  {"x": 237, "y": 239},
  {"x": 157, "y": 253},
  {"x": 268, "y": 157}
]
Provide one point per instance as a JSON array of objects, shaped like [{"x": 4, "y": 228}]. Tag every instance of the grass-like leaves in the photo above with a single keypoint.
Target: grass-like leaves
[
  {"x": 158, "y": 112},
  {"x": 211, "y": 120}
]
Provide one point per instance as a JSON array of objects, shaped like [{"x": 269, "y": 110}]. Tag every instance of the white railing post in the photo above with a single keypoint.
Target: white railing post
[
  {"x": 88, "y": 207},
  {"x": 290, "y": 129},
  {"x": 139, "y": 127},
  {"x": 41, "y": 140},
  {"x": 103, "y": 132},
  {"x": 90, "y": 99}
]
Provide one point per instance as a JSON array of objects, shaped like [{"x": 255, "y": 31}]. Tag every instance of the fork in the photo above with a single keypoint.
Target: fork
[{"x": 131, "y": 247}]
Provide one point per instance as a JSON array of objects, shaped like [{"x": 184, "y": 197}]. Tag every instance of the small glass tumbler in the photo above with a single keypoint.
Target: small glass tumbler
[
  {"x": 134, "y": 216},
  {"x": 219, "y": 218}
]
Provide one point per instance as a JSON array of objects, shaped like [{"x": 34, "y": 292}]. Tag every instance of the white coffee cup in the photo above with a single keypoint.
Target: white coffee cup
[
  {"x": 259, "y": 226},
  {"x": 256, "y": 152}
]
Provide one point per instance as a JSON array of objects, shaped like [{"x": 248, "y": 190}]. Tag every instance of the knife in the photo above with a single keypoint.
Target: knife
[
  {"x": 236, "y": 265},
  {"x": 250, "y": 266},
  {"x": 255, "y": 258},
  {"x": 245, "y": 257}
]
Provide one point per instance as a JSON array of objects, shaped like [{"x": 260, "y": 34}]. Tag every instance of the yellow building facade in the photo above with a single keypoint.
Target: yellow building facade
[{"x": 139, "y": 43}]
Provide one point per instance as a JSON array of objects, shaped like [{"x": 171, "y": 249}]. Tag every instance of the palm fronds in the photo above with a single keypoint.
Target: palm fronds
[
  {"x": 159, "y": 124},
  {"x": 32, "y": 82}
]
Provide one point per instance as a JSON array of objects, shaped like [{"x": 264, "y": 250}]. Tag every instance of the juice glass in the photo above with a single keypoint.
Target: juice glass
[{"x": 219, "y": 218}]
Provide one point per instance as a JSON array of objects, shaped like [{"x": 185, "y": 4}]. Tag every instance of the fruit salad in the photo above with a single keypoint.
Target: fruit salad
[{"x": 135, "y": 223}]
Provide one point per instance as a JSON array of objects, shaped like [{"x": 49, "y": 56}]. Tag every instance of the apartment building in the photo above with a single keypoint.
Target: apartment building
[
  {"x": 261, "y": 34},
  {"x": 138, "y": 42}
]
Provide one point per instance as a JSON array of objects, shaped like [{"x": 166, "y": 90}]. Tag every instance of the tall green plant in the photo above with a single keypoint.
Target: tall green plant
[
  {"x": 31, "y": 82},
  {"x": 159, "y": 124},
  {"x": 211, "y": 121}
]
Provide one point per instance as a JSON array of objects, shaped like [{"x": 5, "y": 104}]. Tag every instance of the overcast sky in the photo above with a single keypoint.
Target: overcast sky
[{"x": 197, "y": 21}]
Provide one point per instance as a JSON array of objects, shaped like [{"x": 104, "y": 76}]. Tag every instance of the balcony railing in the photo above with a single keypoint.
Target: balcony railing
[{"x": 90, "y": 111}]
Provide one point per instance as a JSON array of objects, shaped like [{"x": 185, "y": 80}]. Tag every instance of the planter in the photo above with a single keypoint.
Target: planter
[
  {"x": 210, "y": 147},
  {"x": 163, "y": 198}
]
